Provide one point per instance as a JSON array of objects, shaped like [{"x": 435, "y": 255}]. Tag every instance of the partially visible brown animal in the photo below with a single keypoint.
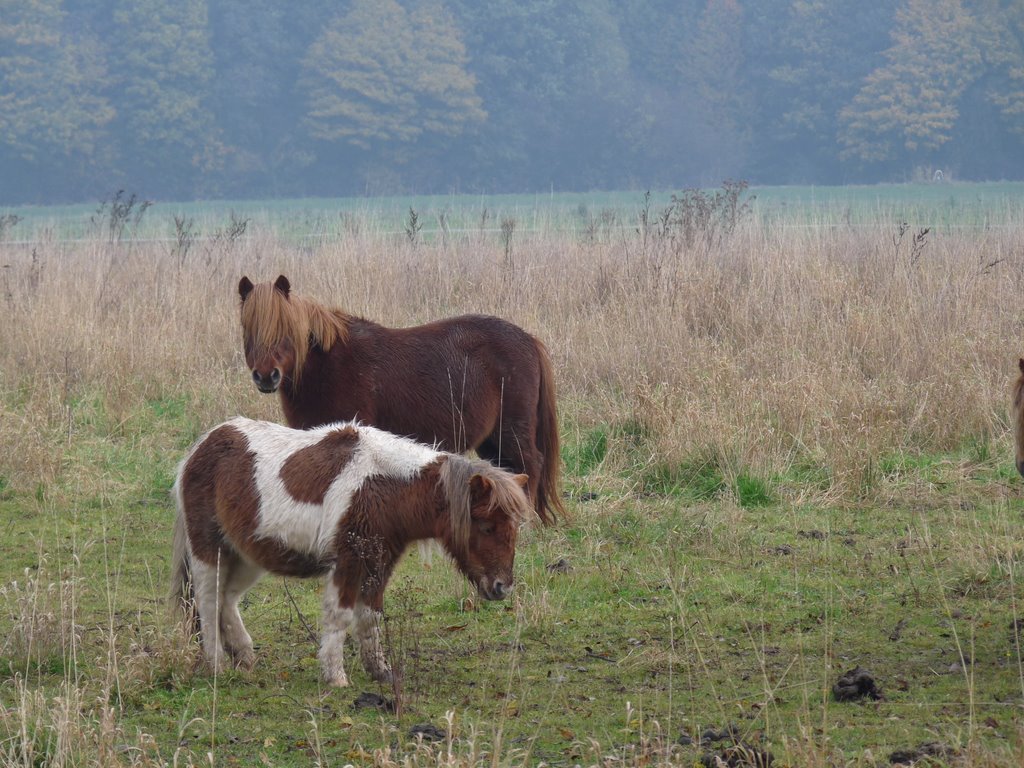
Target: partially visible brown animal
[
  {"x": 466, "y": 383},
  {"x": 1017, "y": 413}
]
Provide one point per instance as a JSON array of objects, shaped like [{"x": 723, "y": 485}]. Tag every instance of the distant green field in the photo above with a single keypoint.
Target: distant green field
[{"x": 953, "y": 205}]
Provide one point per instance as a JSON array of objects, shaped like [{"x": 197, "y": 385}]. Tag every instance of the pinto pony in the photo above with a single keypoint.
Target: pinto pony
[
  {"x": 1017, "y": 414},
  {"x": 470, "y": 382},
  {"x": 343, "y": 500}
]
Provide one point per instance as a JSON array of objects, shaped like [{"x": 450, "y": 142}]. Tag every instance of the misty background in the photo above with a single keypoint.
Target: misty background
[{"x": 200, "y": 99}]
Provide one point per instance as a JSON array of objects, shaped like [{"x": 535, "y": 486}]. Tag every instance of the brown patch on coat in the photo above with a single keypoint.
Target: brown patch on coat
[
  {"x": 221, "y": 507},
  {"x": 385, "y": 515},
  {"x": 309, "y": 472},
  {"x": 220, "y": 469}
]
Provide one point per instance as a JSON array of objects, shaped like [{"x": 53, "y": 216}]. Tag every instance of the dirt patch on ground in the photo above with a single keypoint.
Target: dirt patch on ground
[
  {"x": 856, "y": 684},
  {"x": 428, "y": 732},
  {"x": 373, "y": 701},
  {"x": 739, "y": 755},
  {"x": 561, "y": 565},
  {"x": 920, "y": 752},
  {"x": 726, "y": 749}
]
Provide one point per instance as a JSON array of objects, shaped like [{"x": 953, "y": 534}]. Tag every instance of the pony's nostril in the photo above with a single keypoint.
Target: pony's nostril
[
  {"x": 275, "y": 375},
  {"x": 256, "y": 376},
  {"x": 499, "y": 589}
]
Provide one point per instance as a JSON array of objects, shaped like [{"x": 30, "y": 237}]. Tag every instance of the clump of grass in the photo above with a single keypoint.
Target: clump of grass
[
  {"x": 71, "y": 726},
  {"x": 585, "y": 455},
  {"x": 697, "y": 479},
  {"x": 113, "y": 216},
  {"x": 39, "y": 612},
  {"x": 7, "y": 222},
  {"x": 753, "y": 491},
  {"x": 696, "y": 216},
  {"x": 810, "y": 474}
]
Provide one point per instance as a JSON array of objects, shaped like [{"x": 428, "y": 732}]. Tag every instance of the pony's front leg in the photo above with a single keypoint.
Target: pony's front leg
[
  {"x": 368, "y": 632},
  {"x": 336, "y": 622}
]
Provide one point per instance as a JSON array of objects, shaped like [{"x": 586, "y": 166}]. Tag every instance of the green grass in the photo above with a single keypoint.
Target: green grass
[
  {"x": 699, "y": 479},
  {"x": 753, "y": 491},
  {"x": 585, "y": 455},
  {"x": 692, "y": 601}
]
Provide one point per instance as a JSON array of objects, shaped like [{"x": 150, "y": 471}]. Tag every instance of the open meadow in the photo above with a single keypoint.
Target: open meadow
[{"x": 786, "y": 453}]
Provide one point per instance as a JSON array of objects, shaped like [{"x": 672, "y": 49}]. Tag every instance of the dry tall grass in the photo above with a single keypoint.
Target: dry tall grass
[{"x": 823, "y": 347}]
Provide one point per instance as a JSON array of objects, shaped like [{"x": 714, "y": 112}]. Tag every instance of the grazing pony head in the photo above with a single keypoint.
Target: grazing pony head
[
  {"x": 488, "y": 505},
  {"x": 1017, "y": 412},
  {"x": 278, "y": 329}
]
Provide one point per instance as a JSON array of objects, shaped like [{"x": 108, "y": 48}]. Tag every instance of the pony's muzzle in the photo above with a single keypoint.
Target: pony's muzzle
[
  {"x": 497, "y": 590},
  {"x": 267, "y": 383}
]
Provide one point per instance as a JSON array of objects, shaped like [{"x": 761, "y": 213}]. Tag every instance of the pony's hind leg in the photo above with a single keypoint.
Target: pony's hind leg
[
  {"x": 368, "y": 633},
  {"x": 207, "y": 582},
  {"x": 337, "y": 620},
  {"x": 240, "y": 578}
]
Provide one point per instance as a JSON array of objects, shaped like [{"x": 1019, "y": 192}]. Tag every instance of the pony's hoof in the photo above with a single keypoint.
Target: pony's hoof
[
  {"x": 339, "y": 681},
  {"x": 245, "y": 661},
  {"x": 219, "y": 665},
  {"x": 382, "y": 676}
]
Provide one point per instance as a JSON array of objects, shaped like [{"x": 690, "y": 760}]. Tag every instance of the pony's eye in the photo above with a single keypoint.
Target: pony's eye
[{"x": 486, "y": 528}]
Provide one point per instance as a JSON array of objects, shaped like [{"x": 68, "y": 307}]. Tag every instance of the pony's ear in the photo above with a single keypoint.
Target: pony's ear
[
  {"x": 245, "y": 287},
  {"x": 1021, "y": 364},
  {"x": 521, "y": 480},
  {"x": 479, "y": 484},
  {"x": 479, "y": 488},
  {"x": 283, "y": 285}
]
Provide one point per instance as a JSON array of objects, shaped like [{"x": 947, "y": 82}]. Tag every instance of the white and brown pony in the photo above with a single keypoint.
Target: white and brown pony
[{"x": 343, "y": 500}]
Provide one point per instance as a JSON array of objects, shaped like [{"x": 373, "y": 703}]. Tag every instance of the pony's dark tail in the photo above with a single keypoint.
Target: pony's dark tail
[
  {"x": 181, "y": 596},
  {"x": 549, "y": 498}
]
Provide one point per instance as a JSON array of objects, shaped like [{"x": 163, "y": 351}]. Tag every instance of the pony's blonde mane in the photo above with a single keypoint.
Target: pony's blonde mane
[
  {"x": 506, "y": 493},
  {"x": 269, "y": 318}
]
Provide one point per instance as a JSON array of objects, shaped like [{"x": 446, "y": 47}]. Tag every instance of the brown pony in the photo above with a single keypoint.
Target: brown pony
[
  {"x": 1017, "y": 413},
  {"x": 343, "y": 500},
  {"x": 466, "y": 383}
]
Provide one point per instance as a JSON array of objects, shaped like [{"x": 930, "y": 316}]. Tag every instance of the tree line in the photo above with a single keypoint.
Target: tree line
[{"x": 257, "y": 98}]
